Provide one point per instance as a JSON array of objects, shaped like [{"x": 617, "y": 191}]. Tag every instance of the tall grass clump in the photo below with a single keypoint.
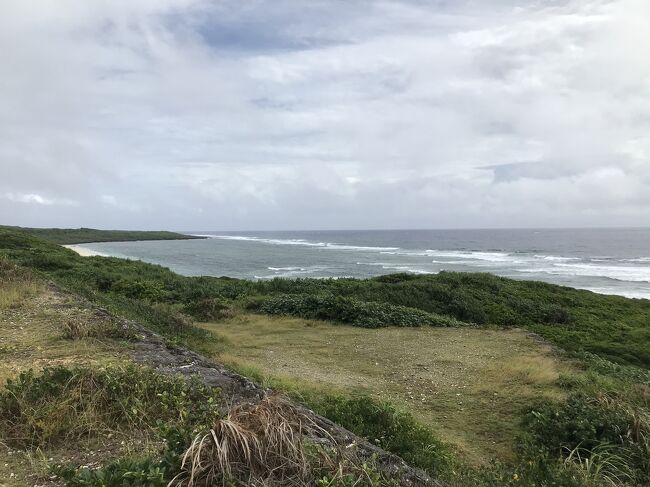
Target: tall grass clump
[
  {"x": 16, "y": 285},
  {"x": 270, "y": 443}
]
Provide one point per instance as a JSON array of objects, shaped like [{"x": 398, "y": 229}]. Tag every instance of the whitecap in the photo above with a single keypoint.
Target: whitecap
[
  {"x": 303, "y": 242},
  {"x": 620, "y": 273}
]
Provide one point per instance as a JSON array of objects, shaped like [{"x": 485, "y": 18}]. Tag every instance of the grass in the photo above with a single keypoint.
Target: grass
[
  {"x": 490, "y": 389},
  {"x": 64, "y": 404},
  {"x": 33, "y": 333},
  {"x": 17, "y": 286},
  {"x": 469, "y": 386}
]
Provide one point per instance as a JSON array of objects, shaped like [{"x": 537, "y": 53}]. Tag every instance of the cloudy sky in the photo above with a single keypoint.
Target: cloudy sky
[{"x": 332, "y": 114}]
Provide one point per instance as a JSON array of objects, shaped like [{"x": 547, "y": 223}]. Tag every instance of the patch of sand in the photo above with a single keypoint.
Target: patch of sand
[{"x": 83, "y": 251}]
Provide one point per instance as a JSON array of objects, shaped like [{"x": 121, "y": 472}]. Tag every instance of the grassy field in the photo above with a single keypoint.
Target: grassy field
[{"x": 469, "y": 386}]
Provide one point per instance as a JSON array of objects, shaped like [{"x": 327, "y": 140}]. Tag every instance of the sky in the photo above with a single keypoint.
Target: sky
[{"x": 324, "y": 114}]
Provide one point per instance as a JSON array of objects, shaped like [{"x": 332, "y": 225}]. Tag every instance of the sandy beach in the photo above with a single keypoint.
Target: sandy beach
[{"x": 84, "y": 252}]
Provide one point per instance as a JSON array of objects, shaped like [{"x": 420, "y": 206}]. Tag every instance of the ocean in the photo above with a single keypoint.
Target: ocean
[{"x": 610, "y": 261}]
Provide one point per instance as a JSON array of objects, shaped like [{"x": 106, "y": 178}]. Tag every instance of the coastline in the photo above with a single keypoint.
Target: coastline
[{"x": 83, "y": 251}]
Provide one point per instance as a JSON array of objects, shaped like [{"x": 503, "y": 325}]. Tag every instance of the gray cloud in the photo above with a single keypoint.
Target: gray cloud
[{"x": 190, "y": 114}]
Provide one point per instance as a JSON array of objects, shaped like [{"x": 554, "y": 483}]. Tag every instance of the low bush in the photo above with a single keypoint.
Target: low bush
[
  {"x": 604, "y": 434},
  {"x": 47, "y": 262},
  {"x": 387, "y": 427},
  {"x": 209, "y": 309},
  {"x": 347, "y": 310}
]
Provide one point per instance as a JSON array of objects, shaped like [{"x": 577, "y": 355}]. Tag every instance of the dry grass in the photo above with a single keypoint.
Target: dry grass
[
  {"x": 75, "y": 329},
  {"x": 261, "y": 444},
  {"x": 33, "y": 335},
  {"x": 529, "y": 370},
  {"x": 468, "y": 385},
  {"x": 17, "y": 286},
  {"x": 258, "y": 443}
]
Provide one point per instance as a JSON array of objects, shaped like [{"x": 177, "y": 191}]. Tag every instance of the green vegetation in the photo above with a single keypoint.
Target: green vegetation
[
  {"x": 86, "y": 235},
  {"x": 348, "y": 310},
  {"x": 613, "y": 327},
  {"x": 594, "y": 431},
  {"x": 63, "y": 404}
]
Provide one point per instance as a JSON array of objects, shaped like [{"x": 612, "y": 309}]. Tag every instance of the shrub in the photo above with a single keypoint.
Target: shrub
[
  {"x": 581, "y": 421},
  {"x": 346, "y": 310},
  {"x": 209, "y": 309},
  {"x": 138, "y": 289},
  {"x": 47, "y": 262},
  {"x": 388, "y": 428},
  {"x": 602, "y": 433}
]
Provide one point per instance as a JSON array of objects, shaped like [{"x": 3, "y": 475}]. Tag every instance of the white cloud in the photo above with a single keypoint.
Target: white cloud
[
  {"x": 192, "y": 114},
  {"x": 37, "y": 199}
]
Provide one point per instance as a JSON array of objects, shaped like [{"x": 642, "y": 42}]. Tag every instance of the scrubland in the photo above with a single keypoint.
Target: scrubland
[{"x": 476, "y": 379}]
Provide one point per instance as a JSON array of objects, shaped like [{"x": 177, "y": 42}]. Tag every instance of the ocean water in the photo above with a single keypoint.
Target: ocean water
[{"x": 610, "y": 261}]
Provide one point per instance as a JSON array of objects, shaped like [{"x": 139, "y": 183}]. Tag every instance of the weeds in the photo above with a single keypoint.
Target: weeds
[
  {"x": 16, "y": 285},
  {"x": 73, "y": 403},
  {"x": 604, "y": 462},
  {"x": 263, "y": 444}
]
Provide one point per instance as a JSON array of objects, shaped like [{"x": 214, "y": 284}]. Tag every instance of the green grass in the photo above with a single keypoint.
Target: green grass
[{"x": 87, "y": 235}]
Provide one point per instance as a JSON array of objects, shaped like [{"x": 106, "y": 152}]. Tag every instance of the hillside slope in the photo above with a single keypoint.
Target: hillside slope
[
  {"x": 592, "y": 431},
  {"x": 54, "y": 332}
]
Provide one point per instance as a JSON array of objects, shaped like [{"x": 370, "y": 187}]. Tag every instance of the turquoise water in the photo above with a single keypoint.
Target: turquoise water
[{"x": 612, "y": 261}]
